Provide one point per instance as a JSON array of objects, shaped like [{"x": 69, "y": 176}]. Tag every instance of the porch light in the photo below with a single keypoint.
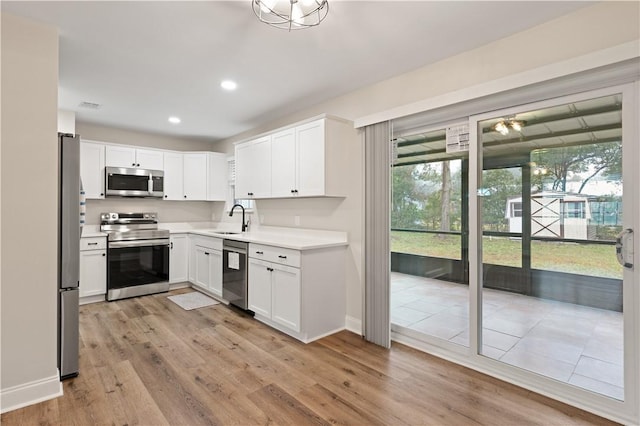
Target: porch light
[{"x": 503, "y": 126}]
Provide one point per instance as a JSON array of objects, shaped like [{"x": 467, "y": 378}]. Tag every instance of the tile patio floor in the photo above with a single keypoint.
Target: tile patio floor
[{"x": 575, "y": 344}]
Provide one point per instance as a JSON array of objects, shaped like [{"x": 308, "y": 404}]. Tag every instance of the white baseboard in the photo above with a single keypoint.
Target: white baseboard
[
  {"x": 30, "y": 393},
  {"x": 179, "y": 284},
  {"x": 354, "y": 325},
  {"x": 92, "y": 299}
]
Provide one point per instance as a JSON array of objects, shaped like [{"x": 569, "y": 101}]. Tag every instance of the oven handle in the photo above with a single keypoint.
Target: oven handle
[{"x": 139, "y": 243}]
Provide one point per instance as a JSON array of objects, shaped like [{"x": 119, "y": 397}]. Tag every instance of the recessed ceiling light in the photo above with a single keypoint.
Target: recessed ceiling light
[
  {"x": 174, "y": 120},
  {"x": 229, "y": 85}
]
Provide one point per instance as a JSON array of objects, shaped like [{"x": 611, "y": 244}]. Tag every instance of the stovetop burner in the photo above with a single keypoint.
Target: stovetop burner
[{"x": 131, "y": 226}]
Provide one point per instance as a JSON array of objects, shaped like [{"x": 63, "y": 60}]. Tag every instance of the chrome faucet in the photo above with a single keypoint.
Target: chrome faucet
[{"x": 245, "y": 225}]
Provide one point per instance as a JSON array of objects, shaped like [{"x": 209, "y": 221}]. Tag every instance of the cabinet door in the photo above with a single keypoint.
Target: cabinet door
[
  {"x": 217, "y": 177},
  {"x": 310, "y": 161},
  {"x": 283, "y": 167},
  {"x": 261, "y": 166},
  {"x": 202, "y": 268},
  {"x": 259, "y": 287},
  {"x": 285, "y": 296},
  {"x": 195, "y": 177},
  {"x": 243, "y": 160},
  {"x": 92, "y": 169},
  {"x": 120, "y": 156},
  {"x": 149, "y": 159},
  {"x": 253, "y": 169},
  {"x": 173, "y": 176},
  {"x": 215, "y": 272},
  {"x": 93, "y": 272},
  {"x": 179, "y": 259},
  {"x": 192, "y": 260}
]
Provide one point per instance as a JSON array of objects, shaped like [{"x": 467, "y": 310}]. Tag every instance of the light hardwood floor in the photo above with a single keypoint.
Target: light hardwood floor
[{"x": 147, "y": 361}]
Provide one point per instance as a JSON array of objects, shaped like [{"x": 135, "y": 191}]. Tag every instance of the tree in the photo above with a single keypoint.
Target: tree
[
  {"x": 404, "y": 211},
  {"x": 445, "y": 200},
  {"x": 499, "y": 185},
  {"x": 592, "y": 159}
]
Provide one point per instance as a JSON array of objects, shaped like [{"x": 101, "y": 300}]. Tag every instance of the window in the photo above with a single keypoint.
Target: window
[
  {"x": 574, "y": 209},
  {"x": 516, "y": 209},
  {"x": 231, "y": 190}
]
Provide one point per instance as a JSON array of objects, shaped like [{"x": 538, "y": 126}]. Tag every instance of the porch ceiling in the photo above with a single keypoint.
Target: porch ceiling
[{"x": 596, "y": 120}]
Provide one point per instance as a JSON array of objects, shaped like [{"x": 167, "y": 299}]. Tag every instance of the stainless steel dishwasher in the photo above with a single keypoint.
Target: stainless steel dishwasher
[{"x": 234, "y": 272}]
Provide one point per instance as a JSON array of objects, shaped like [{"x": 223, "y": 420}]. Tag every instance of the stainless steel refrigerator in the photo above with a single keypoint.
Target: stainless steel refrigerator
[{"x": 68, "y": 254}]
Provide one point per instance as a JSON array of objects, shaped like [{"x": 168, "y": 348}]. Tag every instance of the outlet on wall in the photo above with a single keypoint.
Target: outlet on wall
[
  {"x": 261, "y": 219},
  {"x": 296, "y": 220}
]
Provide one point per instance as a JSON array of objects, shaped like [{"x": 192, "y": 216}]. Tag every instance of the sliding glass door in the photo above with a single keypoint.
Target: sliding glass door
[
  {"x": 552, "y": 243},
  {"x": 429, "y": 230}
]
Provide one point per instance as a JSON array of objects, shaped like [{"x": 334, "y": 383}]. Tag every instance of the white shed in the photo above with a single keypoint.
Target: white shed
[{"x": 553, "y": 215}]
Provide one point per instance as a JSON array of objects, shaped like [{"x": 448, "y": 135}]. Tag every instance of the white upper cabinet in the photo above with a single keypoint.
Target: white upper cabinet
[
  {"x": 283, "y": 160},
  {"x": 205, "y": 176},
  {"x": 217, "y": 176},
  {"x": 253, "y": 168},
  {"x": 191, "y": 176},
  {"x": 120, "y": 156},
  {"x": 92, "y": 169},
  {"x": 310, "y": 164},
  {"x": 123, "y": 156},
  {"x": 307, "y": 160},
  {"x": 195, "y": 176},
  {"x": 173, "y": 176},
  {"x": 149, "y": 159}
]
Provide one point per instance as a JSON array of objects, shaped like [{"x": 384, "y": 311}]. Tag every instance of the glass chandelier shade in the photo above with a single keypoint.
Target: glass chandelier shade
[{"x": 291, "y": 14}]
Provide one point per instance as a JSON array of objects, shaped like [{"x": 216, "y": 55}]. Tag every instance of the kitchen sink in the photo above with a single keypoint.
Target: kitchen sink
[{"x": 224, "y": 232}]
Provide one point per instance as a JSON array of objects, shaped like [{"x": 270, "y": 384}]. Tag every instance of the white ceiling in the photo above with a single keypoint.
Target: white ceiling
[{"x": 145, "y": 61}]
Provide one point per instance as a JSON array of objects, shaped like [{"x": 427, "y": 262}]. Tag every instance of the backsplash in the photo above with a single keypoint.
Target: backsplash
[{"x": 168, "y": 211}]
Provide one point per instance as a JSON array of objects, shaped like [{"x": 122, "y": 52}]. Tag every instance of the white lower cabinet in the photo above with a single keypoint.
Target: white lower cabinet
[
  {"x": 93, "y": 269},
  {"x": 301, "y": 293},
  {"x": 178, "y": 258},
  {"x": 285, "y": 296},
  {"x": 260, "y": 287},
  {"x": 274, "y": 293},
  {"x": 205, "y": 267}
]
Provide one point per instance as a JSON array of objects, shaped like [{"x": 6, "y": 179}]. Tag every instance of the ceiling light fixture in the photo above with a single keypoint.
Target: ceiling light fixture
[
  {"x": 291, "y": 14},
  {"x": 174, "y": 120},
  {"x": 503, "y": 126},
  {"x": 229, "y": 85}
]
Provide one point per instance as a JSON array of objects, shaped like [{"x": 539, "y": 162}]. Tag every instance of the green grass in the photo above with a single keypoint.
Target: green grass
[{"x": 586, "y": 259}]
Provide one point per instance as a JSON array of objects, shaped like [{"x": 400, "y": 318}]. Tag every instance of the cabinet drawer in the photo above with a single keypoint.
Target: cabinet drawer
[
  {"x": 273, "y": 254},
  {"x": 93, "y": 243},
  {"x": 207, "y": 242}
]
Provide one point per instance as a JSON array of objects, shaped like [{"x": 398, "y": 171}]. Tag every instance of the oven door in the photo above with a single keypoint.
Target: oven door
[{"x": 137, "y": 262}]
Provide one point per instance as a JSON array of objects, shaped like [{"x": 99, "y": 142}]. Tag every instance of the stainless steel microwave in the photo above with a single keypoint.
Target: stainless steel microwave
[{"x": 126, "y": 182}]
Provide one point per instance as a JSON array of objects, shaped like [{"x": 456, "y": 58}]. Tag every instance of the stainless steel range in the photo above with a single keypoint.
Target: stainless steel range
[{"x": 137, "y": 254}]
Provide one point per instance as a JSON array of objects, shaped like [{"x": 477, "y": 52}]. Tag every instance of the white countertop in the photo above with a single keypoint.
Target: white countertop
[
  {"x": 302, "y": 241},
  {"x": 292, "y": 238}
]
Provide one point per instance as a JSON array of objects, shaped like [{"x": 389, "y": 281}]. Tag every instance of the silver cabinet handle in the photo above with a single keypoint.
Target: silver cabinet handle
[{"x": 621, "y": 240}]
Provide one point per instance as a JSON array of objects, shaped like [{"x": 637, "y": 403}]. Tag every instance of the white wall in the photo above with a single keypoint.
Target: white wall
[
  {"x": 587, "y": 30},
  {"x": 29, "y": 170},
  {"x": 131, "y": 137},
  {"x": 168, "y": 211}
]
